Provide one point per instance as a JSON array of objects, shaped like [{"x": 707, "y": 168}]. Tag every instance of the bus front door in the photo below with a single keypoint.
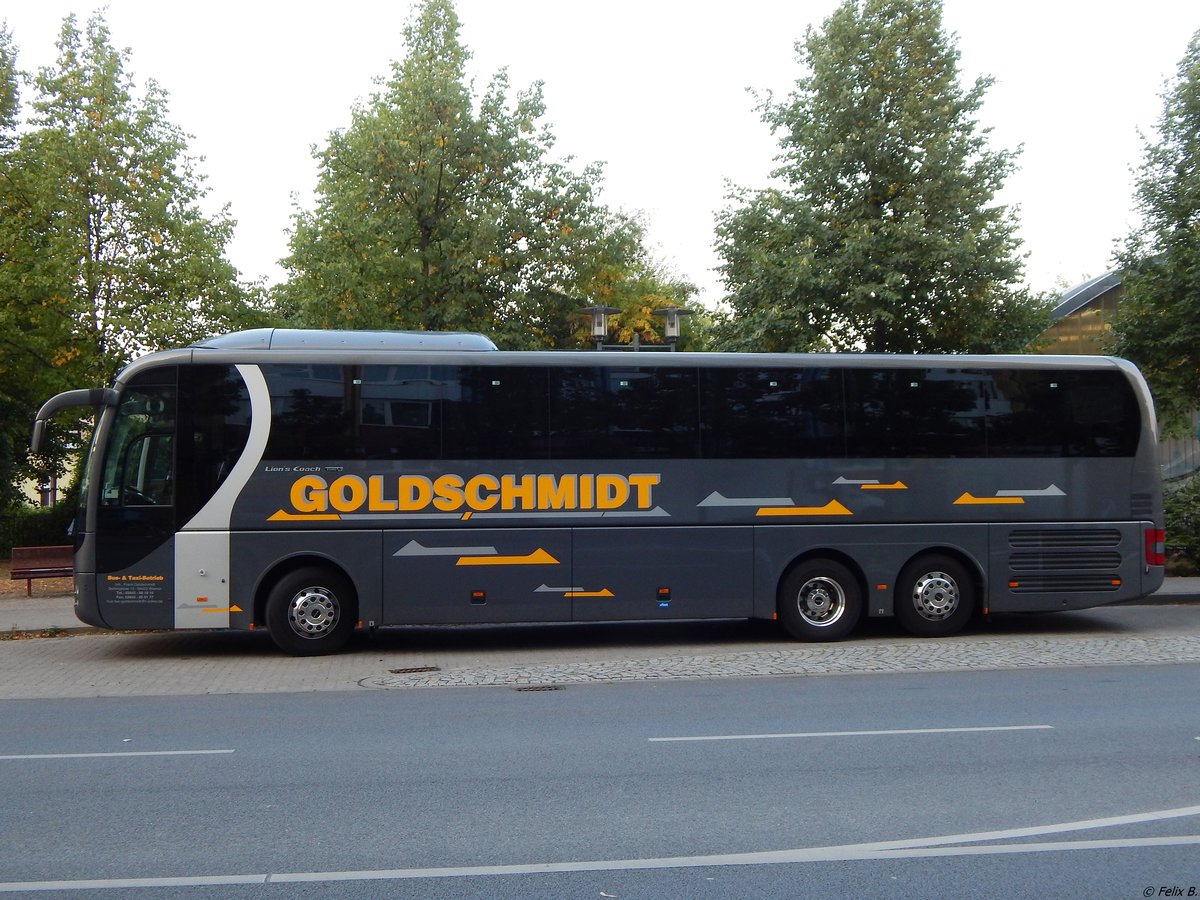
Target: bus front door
[{"x": 135, "y": 516}]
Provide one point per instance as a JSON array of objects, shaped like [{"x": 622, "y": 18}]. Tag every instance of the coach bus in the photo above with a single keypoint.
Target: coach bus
[{"x": 315, "y": 482}]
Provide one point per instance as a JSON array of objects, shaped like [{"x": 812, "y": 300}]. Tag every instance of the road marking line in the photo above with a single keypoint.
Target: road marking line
[
  {"x": 20, "y": 756},
  {"x": 826, "y": 734},
  {"x": 903, "y": 849}
]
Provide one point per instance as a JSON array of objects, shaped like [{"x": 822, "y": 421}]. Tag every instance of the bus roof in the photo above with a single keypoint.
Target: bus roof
[{"x": 318, "y": 339}]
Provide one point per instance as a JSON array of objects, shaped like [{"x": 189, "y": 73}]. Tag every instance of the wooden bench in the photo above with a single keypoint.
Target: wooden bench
[{"x": 41, "y": 562}]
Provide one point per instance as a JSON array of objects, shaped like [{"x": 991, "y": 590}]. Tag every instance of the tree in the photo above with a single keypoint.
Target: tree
[
  {"x": 105, "y": 253},
  {"x": 1158, "y": 324},
  {"x": 882, "y": 234},
  {"x": 10, "y": 89},
  {"x": 14, "y": 391},
  {"x": 434, "y": 212}
]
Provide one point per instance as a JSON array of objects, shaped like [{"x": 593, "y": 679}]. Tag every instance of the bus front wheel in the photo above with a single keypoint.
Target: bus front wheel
[
  {"x": 935, "y": 596},
  {"x": 820, "y": 600},
  {"x": 310, "y": 611}
]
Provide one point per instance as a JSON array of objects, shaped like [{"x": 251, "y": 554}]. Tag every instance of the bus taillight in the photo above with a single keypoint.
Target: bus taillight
[{"x": 1156, "y": 547}]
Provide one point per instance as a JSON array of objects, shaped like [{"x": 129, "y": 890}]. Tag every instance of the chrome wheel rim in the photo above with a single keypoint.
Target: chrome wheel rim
[
  {"x": 313, "y": 612},
  {"x": 821, "y": 602},
  {"x": 935, "y": 596}
]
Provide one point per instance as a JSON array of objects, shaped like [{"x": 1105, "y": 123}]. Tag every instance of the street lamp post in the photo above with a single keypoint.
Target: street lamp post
[
  {"x": 672, "y": 314},
  {"x": 599, "y": 316}
]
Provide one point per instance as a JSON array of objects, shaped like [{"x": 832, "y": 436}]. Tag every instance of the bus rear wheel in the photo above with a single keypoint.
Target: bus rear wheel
[
  {"x": 820, "y": 600},
  {"x": 311, "y": 611},
  {"x": 935, "y": 596}
]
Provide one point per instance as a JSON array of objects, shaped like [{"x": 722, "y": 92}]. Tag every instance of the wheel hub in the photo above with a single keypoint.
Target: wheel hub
[
  {"x": 313, "y": 612},
  {"x": 821, "y": 601},
  {"x": 935, "y": 596}
]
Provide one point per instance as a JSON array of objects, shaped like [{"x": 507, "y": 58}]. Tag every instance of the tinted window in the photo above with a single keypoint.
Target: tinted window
[
  {"x": 399, "y": 411},
  {"x": 312, "y": 412},
  {"x": 214, "y": 425},
  {"x": 628, "y": 412},
  {"x": 772, "y": 413},
  {"x": 915, "y": 413},
  {"x": 643, "y": 412},
  {"x": 495, "y": 413},
  {"x": 1063, "y": 414}
]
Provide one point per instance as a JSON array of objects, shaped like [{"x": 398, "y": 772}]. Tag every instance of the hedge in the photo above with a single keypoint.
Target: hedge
[{"x": 25, "y": 526}]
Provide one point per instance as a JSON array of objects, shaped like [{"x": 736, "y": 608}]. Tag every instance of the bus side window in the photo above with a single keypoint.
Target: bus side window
[
  {"x": 214, "y": 425},
  {"x": 495, "y": 412},
  {"x": 772, "y": 413},
  {"x": 625, "y": 412},
  {"x": 1045, "y": 413},
  {"x": 915, "y": 413}
]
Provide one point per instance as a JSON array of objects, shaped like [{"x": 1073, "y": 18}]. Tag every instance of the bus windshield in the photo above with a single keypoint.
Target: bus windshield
[{"x": 139, "y": 465}]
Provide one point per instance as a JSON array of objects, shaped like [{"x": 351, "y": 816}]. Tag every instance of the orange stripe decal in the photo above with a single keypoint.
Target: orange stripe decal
[
  {"x": 602, "y": 593},
  {"x": 832, "y": 508},
  {"x": 895, "y": 486},
  {"x": 538, "y": 557},
  {"x": 968, "y": 500},
  {"x": 281, "y": 516}
]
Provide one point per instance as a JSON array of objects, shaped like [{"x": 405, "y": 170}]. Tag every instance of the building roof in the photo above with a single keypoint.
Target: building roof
[{"x": 1079, "y": 296}]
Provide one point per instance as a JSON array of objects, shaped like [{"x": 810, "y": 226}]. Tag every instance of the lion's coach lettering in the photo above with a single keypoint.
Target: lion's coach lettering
[{"x": 479, "y": 493}]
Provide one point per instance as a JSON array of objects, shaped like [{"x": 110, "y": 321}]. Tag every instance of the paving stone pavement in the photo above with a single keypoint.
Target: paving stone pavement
[
  {"x": 91, "y": 663},
  {"x": 837, "y": 659}
]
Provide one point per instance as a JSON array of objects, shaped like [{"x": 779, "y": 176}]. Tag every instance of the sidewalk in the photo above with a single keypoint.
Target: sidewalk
[{"x": 58, "y": 613}]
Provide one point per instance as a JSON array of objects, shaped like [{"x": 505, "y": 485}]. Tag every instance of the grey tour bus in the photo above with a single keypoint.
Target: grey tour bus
[{"x": 314, "y": 482}]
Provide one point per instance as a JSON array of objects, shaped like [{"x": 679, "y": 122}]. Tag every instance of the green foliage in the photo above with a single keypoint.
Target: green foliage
[
  {"x": 437, "y": 212},
  {"x": 1158, "y": 324},
  {"x": 24, "y": 526},
  {"x": 10, "y": 89},
  {"x": 1181, "y": 512},
  {"x": 883, "y": 234},
  {"x": 104, "y": 253}
]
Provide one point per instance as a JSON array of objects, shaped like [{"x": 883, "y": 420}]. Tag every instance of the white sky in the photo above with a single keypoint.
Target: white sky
[{"x": 654, "y": 88}]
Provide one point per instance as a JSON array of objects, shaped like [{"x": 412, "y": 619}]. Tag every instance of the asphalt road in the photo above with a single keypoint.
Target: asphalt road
[{"x": 1064, "y": 782}]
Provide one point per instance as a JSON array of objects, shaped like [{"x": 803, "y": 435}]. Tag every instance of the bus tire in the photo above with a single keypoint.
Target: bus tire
[
  {"x": 820, "y": 600},
  {"x": 935, "y": 596},
  {"x": 311, "y": 611}
]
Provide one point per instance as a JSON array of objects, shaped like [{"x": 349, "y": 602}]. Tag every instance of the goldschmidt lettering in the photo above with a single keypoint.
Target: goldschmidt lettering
[{"x": 312, "y": 494}]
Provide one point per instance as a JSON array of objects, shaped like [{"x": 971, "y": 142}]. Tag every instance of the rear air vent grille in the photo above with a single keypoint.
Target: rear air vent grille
[
  {"x": 1091, "y": 560},
  {"x": 1055, "y": 584},
  {"x": 1141, "y": 506},
  {"x": 1056, "y": 561},
  {"x": 1045, "y": 538}
]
